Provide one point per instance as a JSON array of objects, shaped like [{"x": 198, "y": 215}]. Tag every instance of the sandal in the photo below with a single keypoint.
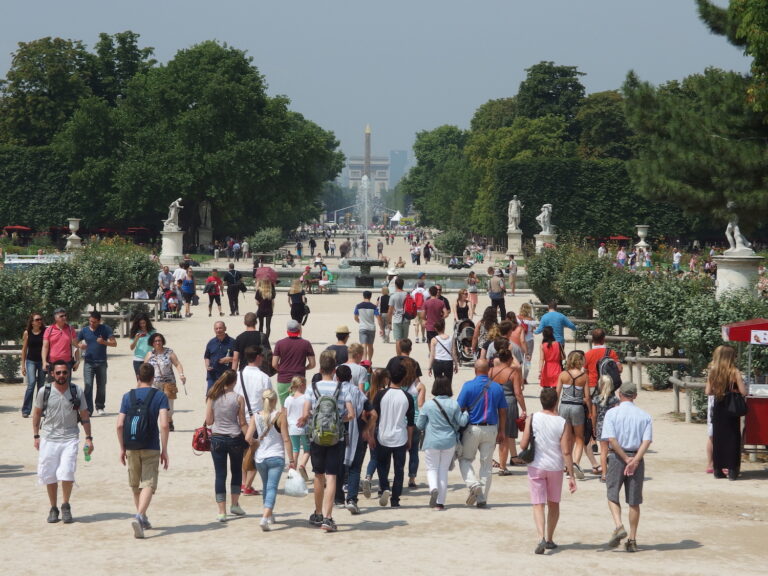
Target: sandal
[
  {"x": 517, "y": 462},
  {"x": 597, "y": 470},
  {"x": 602, "y": 479},
  {"x": 505, "y": 472},
  {"x": 496, "y": 464}
]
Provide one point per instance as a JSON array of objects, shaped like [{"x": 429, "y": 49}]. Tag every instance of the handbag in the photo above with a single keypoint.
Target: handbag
[
  {"x": 201, "y": 440},
  {"x": 529, "y": 453},
  {"x": 520, "y": 423},
  {"x": 295, "y": 485},
  {"x": 735, "y": 404}
]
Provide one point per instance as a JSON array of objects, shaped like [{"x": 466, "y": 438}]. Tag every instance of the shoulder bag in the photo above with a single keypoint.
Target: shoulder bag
[
  {"x": 735, "y": 403},
  {"x": 529, "y": 453},
  {"x": 201, "y": 440}
]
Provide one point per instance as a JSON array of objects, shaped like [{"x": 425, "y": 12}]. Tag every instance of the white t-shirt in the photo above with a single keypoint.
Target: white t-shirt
[
  {"x": 255, "y": 383},
  {"x": 179, "y": 274},
  {"x": 359, "y": 374},
  {"x": 271, "y": 446},
  {"x": 548, "y": 429},
  {"x": 294, "y": 408}
]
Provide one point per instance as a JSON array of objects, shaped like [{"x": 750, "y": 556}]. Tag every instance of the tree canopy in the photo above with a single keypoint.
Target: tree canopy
[{"x": 133, "y": 135}]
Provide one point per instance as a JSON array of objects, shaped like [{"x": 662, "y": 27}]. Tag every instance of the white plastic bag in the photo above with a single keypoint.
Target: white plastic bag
[{"x": 295, "y": 485}]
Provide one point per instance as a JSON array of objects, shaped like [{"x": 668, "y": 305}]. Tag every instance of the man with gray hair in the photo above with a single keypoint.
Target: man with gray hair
[{"x": 628, "y": 430}]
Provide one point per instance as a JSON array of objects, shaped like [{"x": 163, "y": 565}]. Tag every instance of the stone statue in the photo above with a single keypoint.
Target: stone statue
[
  {"x": 545, "y": 219},
  {"x": 172, "y": 223},
  {"x": 737, "y": 243},
  {"x": 205, "y": 214},
  {"x": 514, "y": 210}
]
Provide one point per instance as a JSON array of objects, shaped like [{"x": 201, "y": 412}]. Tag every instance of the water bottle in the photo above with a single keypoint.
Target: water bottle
[{"x": 87, "y": 453}]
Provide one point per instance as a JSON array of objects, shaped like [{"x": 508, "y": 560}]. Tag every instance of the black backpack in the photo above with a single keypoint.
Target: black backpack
[
  {"x": 607, "y": 366},
  {"x": 137, "y": 421},
  {"x": 72, "y": 392}
]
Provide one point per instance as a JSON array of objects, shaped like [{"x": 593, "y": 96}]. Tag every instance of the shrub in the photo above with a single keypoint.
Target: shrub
[
  {"x": 582, "y": 273},
  {"x": 611, "y": 298},
  {"x": 266, "y": 240},
  {"x": 543, "y": 270},
  {"x": 451, "y": 242},
  {"x": 9, "y": 367},
  {"x": 658, "y": 374}
]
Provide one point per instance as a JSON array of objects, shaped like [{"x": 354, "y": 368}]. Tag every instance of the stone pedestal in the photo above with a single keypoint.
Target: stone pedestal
[
  {"x": 204, "y": 236},
  {"x": 543, "y": 239},
  {"x": 73, "y": 240},
  {"x": 736, "y": 272},
  {"x": 642, "y": 232},
  {"x": 514, "y": 242},
  {"x": 173, "y": 247}
]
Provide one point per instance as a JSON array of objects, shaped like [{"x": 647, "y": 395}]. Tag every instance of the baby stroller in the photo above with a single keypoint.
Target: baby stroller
[
  {"x": 462, "y": 339},
  {"x": 170, "y": 305}
]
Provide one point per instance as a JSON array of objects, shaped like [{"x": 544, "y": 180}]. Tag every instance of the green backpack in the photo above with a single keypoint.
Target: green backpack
[{"x": 326, "y": 422}]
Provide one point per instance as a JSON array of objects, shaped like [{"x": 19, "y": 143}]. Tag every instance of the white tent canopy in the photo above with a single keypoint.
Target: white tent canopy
[{"x": 397, "y": 217}]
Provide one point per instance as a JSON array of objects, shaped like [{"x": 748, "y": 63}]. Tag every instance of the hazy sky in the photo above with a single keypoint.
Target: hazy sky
[{"x": 400, "y": 66}]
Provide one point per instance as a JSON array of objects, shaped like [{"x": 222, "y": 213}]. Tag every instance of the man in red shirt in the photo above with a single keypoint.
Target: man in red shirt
[
  {"x": 60, "y": 343},
  {"x": 593, "y": 356},
  {"x": 434, "y": 310},
  {"x": 292, "y": 356}
]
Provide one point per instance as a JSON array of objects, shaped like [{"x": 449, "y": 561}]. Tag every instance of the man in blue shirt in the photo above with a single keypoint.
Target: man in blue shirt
[
  {"x": 557, "y": 320},
  {"x": 144, "y": 464},
  {"x": 628, "y": 430},
  {"x": 218, "y": 353},
  {"x": 484, "y": 400},
  {"x": 93, "y": 340}
]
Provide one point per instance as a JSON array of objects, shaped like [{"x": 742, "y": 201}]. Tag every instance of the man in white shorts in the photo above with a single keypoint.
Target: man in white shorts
[
  {"x": 366, "y": 313},
  {"x": 57, "y": 407}
]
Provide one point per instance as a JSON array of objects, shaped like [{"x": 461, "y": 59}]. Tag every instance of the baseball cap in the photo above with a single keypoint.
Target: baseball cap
[
  {"x": 293, "y": 328},
  {"x": 343, "y": 329},
  {"x": 365, "y": 363},
  {"x": 628, "y": 389}
]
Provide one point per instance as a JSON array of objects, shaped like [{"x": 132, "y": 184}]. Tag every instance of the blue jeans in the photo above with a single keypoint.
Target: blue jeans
[
  {"x": 270, "y": 470},
  {"x": 372, "y": 466},
  {"x": 35, "y": 381},
  {"x": 413, "y": 454},
  {"x": 221, "y": 448},
  {"x": 100, "y": 372},
  {"x": 353, "y": 471},
  {"x": 384, "y": 456}
]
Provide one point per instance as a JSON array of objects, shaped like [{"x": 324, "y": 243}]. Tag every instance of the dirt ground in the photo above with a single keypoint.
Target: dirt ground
[{"x": 690, "y": 524}]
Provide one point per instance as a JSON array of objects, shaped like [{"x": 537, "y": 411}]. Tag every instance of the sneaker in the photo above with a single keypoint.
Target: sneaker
[
  {"x": 367, "y": 487},
  {"x": 394, "y": 504},
  {"x": 577, "y": 472},
  {"x": 316, "y": 519},
  {"x": 412, "y": 483},
  {"x": 617, "y": 536},
  {"x": 328, "y": 525},
  {"x": 417, "y": 340},
  {"x": 474, "y": 492},
  {"x": 53, "y": 515},
  {"x": 66, "y": 513},
  {"x": 550, "y": 545},
  {"x": 540, "y": 547},
  {"x": 303, "y": 472},
  {"x": 433, "y": 498},
  {"x": 438, "y": 507},
  {"x": 221, "y": 517},
  {"x": 100, "y": 412},
  {"x": 630, "y": 545},
  {"x": 384, "y": 498},
  {"x": 264, "y": 524},
  {"x": 138, "y": 527},
  {"x": 145, "y": 523},
  {"x": 237, "y": 510},
  {"x": 171, "y": 427},
  {"x": 352, "y": 507},
  {"x": 482, "y": 504},
  {"x": 339, "y": 504}
]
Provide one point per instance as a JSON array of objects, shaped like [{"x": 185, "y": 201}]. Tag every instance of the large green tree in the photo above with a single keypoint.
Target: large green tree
[
  {"x": 701, "y": 145},
  {"x": 550, "y": 89}
]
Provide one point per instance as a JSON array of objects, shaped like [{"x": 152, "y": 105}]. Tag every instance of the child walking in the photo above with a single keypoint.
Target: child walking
[{"x": 294, "y": 407}]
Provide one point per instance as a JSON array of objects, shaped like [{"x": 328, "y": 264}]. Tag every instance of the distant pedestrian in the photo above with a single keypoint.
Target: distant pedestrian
[{"x": 93, "y": 341}]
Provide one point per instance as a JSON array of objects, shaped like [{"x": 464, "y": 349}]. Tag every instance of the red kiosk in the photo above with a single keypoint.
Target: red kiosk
[{"x": 754, "y": 333}]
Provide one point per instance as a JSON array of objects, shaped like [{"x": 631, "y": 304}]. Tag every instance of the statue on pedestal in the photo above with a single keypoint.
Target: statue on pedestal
[
  {"x": 205, "y": 214},
  {"x": 514, "y": 210},
  {"x": 545, "y": 219},
  {"x": 737, "y": 243},
  {"x": 171, "y": 224}
]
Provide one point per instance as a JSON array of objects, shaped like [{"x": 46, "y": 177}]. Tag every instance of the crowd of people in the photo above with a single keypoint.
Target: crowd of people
[{"x": 272, "y": 407}]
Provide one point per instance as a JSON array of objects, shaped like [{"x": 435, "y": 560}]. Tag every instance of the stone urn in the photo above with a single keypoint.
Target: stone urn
[
  {"x": 642, "y": 232},
  {"x": 73, "y": 240}
]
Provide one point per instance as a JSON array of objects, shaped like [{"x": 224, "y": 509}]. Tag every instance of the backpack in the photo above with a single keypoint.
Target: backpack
[
  {"x": 409, "y": 308},
  {"x": 607, "y": 366},
  {"x": 137, "y": 426},
  {"x": 419, "y": 298},
  {"x": 326, "y": 422},
  {"x": 72, "y": 392}
]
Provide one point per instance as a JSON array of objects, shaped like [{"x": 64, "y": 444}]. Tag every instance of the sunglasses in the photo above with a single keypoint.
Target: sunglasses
[
  {"x": 37, "y": 319},
  {"x": 61, "y": 372}
]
